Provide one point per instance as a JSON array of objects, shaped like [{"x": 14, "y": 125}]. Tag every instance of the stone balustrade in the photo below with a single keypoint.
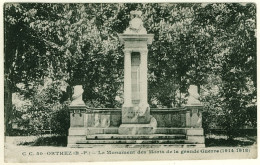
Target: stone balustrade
[{"x": 183, "y": 117}]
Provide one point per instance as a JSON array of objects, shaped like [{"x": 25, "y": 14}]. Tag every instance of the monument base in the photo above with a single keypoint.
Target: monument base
[
  {"x": 166, "y": 128},
  {"x": 186, "y": 137},
  {"x": 136, "y": 114},
  {"x": 76, "y": 134},
  {"x": 138, "y": 146},
  {"x": 138, "y": 129}
]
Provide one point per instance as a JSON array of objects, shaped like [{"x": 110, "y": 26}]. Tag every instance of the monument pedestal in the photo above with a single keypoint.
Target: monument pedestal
[
  {"x": 138, "y": 128},
  {"x": 137, "y": 115},
  {"x": 77, "y": 130}
]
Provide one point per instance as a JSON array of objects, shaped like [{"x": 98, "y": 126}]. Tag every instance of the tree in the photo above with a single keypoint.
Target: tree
[
  {"x": 64, "y": 40},
  {"x": 209, "y": 45},
  {"x": 22, "y": 53},
  {"x": 235, "y": 60}
]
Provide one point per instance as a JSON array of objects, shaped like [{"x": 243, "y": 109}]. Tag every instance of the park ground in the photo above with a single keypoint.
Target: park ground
[
  {"x": 211, "y": 140},
  {"x": 50, "y": 148}
]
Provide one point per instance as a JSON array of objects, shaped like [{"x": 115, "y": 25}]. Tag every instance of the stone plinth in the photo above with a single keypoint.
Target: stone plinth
[
  {"x": 77, "y": 130},
  {"x": 133, "y": 115},
  {"x": 138, "y": 129},
  {"x": 194, "y": 116},
  {"x": 77, "y": 108},
  {"x": 194, "y": 106}
]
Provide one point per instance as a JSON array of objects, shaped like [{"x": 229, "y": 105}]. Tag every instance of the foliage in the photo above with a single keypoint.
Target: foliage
[
  {"x": 235, "y": 61},
  {"x": 48, "y": 141},
  {"x": 210, "y": 45},
  {"x": 44, "y": 111},
  {"x": 211, "y": 142}
]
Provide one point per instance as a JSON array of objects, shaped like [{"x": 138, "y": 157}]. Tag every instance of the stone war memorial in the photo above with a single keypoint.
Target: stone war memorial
[{"x": 136, "y": 123}]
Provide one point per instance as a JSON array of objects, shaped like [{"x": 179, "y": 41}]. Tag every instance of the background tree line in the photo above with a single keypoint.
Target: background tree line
[{"x": 48, "y": 47}]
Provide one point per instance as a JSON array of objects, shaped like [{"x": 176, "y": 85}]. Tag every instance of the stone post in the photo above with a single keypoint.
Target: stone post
[
  {"x": 194, "y": 117},
  {"x": 194, "y": 106},
  {"x": 77, "y": 131}
]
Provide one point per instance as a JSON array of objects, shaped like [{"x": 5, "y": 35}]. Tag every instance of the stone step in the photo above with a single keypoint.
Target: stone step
[
  {"x": 84, "y": 145},
  {"x": 143, "y": 141},
  {"x": 170, "y": 130},
  {"x": 158, "y": 130},
  {"x": 134, "y": 137}
]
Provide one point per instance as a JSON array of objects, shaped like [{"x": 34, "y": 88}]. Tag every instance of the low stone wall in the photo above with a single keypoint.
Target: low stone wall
[
  {"x": 98, "y": 123},
  {"x": 103, "y": 117},
  {"x": 169, "y": 117},
  {"x": 111, "y": 117}
]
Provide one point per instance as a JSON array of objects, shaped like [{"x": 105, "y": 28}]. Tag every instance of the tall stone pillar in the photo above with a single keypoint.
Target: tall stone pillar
[
  {"x": 127, "y": 79},
  {"x": 136, "y": 118},
  {"x": 143, "y": 78}
]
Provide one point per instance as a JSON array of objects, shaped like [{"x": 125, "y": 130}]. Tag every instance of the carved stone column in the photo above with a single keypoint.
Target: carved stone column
[
  {"x": 127, "y": 79},
  {"x": 143, "y": 78}
]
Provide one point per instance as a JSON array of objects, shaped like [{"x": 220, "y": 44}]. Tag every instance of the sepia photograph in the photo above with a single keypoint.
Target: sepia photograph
[{"x": 98, "y": 82}]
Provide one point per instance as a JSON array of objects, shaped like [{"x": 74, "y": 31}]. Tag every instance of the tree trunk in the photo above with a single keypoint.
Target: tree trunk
[{"x": 8, "y": 111}]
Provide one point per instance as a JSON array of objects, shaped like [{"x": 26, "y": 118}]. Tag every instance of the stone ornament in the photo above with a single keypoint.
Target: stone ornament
[
  {"x": 193, "y": 98},
  {"x": 77, "y": 96},
  {"x": 136, "y": 24}
]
